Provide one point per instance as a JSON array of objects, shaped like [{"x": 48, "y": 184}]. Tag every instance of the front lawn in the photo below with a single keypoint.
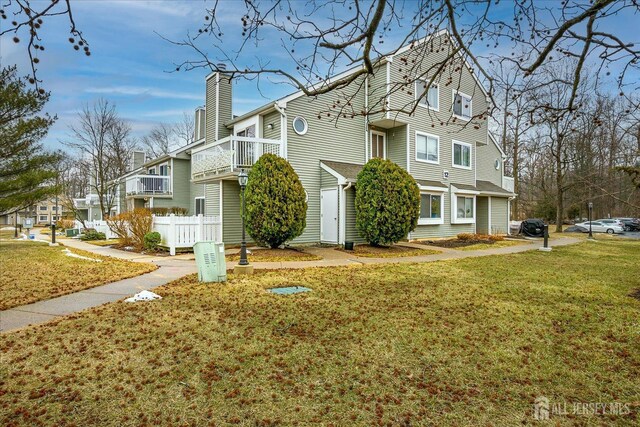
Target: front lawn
[
  {"x": 33, "y": 271},
  {"x": 464, "y": 342},
  {"x": 493, "y": 245},
  {"x": 369, "y": 251}
]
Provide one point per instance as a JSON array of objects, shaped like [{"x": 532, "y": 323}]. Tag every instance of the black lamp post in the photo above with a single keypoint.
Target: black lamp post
[
  {"x": 242, "y": 180},
  {"x": 590, "y": 211}
]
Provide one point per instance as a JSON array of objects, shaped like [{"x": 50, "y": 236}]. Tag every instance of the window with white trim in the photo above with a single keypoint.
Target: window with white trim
[
  {"x": 378, "y": 148},
  {"x": 43, "y": 217},
  {"x": 462, "y": 105},
  {"x": 464, "y": 207},
  {"x": 199, "y": 205},
  {"x": 151, "y": 171},
  {"x": 427, "y": 98},
  {"x": 461, "y": 154},
  {"x": 164, "y": 170},
  {"x": 427, "y": 148},
  {"x": 430, "y": 208}
]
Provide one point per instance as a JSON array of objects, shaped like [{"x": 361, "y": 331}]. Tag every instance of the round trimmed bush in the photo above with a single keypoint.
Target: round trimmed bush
[
  {"x": 387, "y": 202},
  {"x": 276, "y": 210},
  {"x": 152, "y": 240}
]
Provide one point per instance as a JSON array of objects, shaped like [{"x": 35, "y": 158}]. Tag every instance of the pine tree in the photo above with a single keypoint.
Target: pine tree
[{"x": 27, "y": 171}]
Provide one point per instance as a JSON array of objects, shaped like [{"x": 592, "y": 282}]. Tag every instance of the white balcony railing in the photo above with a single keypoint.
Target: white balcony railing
[
  {"x": 507, "y": 183},
  {"x": 231, "y": 154},
  {"x": 151, "y": 185}
]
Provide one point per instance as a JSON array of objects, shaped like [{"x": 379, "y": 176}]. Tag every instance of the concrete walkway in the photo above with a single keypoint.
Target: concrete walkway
[{"x": 172, "y": 268}]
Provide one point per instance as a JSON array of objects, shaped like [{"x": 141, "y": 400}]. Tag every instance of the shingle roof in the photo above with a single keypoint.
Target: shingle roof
[
  {"x": 349, "y": 171},
  {"x": 486, "y": 186},
  {"x": 465, "y": 187},
  {"x": 427, "y": 183}
]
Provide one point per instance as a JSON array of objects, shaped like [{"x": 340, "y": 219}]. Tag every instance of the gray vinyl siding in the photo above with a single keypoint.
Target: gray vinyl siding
[
  {"x": 442, "y": 230},
  {"x": 182, "y": 185},
  {"x": 231, "y": 213},
  {"x": 377, "y": 91},
  {"x": 328, "y": 180},
  {"x": 326, "y": 140},
  {"x": 211, "y": 110},
  {"x": 423, "y": 118},
  {"x": 351, "y": 232},
  {"x": 482, "y": 215},
  {"x": 397, "y": 145},
  {"x": 273, "y": 118},
  {"x": 212, "y": 198},
  {"x": 499, "y": 220},
  {"x": 224, "y": 109},
  {"x": 487, "y": 155},
  {"x": 197, "y": 190}
]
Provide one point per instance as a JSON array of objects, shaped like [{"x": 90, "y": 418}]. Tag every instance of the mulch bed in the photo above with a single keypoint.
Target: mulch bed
[
  {"x": 276, "y": 255},
  {"x": 387, "y": 252},
  {"x": 455, "y": 243}
]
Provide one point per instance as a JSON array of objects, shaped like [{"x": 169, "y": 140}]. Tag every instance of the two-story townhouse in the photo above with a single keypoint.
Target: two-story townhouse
[
  {"x": 165, "y": 181},
  {"x": 48, "y": 211},
  {"x": 450, "y": 153}
]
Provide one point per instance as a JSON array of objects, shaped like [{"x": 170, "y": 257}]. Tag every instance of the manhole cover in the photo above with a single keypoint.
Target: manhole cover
[{"x": 289, "y": 290}]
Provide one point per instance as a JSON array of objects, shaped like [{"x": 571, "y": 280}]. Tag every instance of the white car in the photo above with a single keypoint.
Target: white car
[
  {"x": 600, "y": 227},
  {"x": 611, "y": 221}
]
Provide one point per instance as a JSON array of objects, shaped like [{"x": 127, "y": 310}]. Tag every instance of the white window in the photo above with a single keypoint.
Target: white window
[
  {"x": 300, "y": 125},
  {"x": 461, "y": 155},
  {"x": 430, "y": 99},
  {"x": 164, "y": 170},
  {"x": 249, "y": 132},
  {"x": 431, "y": 209},
  {"x": 43, "y": 208},
  {"x": 427, "y": 148},
  {"x": 464, "y": 207},
  {"x": 151, "y": 171},
  {"x": 43, "y": 217},
  {"x": 199, "y": 205},
  {"x": 378, "y": 146},
  {"x": 462, "y": 105}
]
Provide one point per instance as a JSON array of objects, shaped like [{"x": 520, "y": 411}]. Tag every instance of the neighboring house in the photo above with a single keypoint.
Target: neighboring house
[
  {"x": 164, "y": 182},
  {"x": 10, "y": 218},
  {"x": 460, "y": 171},
  {"x": 48, "y": 211},
  {"x": 88, "y": 208}
]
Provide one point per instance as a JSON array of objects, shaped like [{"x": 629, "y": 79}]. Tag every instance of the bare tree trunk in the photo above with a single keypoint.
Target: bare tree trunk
[{"x": 559, "y": 186}]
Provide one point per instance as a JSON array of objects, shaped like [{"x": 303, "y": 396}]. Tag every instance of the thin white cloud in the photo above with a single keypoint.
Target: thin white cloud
[{"x": 144, "y": 91}]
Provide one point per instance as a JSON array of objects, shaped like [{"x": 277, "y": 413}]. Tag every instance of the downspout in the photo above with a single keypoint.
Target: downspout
[
  {"x": 366, "y": 119},
  {"x": 343, "y": 212},
  {"x": 283, "y": 128}
]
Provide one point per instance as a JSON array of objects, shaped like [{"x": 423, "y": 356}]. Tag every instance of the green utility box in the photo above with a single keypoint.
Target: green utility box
[
  {"x": 212, "y": 266},
  {"x": 72, "y": 232}
]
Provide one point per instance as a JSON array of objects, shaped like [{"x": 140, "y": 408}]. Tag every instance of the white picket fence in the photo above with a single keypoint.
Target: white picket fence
[
  {"x": 100, "y": 226},
  {"x": 183, "y": 231},
  {"x": 178, "y": 232}
]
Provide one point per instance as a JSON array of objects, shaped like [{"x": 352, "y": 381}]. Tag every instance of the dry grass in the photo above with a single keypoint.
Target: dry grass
[
  {"x": 276, "y": 255},
  {"x": 33, "y": 271},
  {"x": 395, "y": 251},
  {"x": 454, "y": 343}
]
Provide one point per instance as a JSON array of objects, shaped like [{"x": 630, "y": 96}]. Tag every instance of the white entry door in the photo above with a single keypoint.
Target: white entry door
[{"x": 329, "y": 215}]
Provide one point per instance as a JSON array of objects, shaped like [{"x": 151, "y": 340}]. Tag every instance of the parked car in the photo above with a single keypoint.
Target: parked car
[
  {"x": 630, "y": 224},
  {"x": 600, "y": 227},
  {"x": 611, "y": 221}
]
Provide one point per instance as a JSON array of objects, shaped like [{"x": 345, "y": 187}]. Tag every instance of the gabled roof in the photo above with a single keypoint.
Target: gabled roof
[
  {"x": 348, "y": 171},
  {"x": 174, "y": 153}
]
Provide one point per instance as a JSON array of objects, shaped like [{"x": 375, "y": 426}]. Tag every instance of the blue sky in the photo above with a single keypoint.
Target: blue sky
[{"x": 132, "y": 66}]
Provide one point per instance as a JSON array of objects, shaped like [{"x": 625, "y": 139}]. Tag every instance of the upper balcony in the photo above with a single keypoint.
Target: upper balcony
[
  {"x": 148, "y": 185},
  {"x": 230, "y": 155}
]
